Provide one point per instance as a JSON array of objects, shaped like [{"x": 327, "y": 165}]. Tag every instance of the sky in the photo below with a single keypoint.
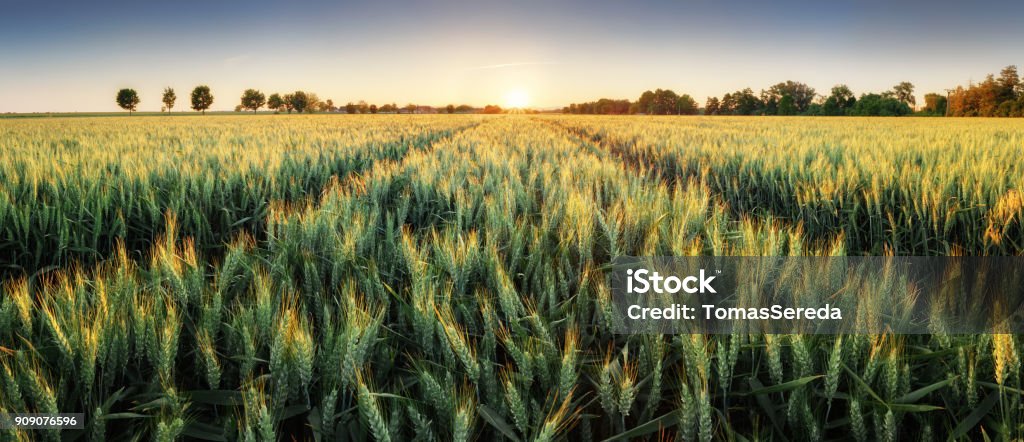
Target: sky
[{"x": 73, "y": 56}]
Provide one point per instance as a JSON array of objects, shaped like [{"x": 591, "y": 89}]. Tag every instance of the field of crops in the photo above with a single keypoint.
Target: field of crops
[{"x": 445, "y": 277}]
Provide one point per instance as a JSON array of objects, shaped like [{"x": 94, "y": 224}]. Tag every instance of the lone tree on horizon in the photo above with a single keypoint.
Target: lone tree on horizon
[
  {"x": 253, "y": 99},
  {"x": 169, "y": 99},
  {"x": 201, "y": 98},
  {"x": 128, "y": 99}
]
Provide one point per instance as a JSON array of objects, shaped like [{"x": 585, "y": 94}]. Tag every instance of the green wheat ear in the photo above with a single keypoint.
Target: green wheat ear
[
  {"x": 465, "y": 414},
  {"x": 459, "y": 341},
  {"x": 370, "y": 410}
]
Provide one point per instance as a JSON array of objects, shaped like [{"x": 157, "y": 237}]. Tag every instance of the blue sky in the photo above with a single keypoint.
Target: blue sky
[{"x": 73, "y": 56}]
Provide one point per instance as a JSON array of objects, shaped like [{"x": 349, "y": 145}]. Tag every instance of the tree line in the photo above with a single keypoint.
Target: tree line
[
  {"x": 298, "y": 101},
  {"x": 786, "y": 98},
  {"x": 1001, "y": 96},
  {"x": 658, "y": 102}
]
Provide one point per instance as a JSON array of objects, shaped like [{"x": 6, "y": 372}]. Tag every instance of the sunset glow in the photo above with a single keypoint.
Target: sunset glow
[{"x": 517, "y": 99}]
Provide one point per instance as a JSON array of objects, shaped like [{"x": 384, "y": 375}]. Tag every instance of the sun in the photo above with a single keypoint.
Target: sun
[{"x": 516, "y": 99}]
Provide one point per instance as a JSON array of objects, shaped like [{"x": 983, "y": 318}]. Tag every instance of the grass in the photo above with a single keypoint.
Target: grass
[{"x": 444, "y": 277}]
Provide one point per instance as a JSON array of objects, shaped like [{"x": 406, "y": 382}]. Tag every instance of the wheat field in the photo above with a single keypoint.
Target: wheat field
[{"x": 407, "y": 277}]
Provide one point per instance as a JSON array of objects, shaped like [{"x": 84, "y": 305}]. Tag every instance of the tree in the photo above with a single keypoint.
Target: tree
[
  {"x": 769, "y": 103},
  {"x": 727, "y": 106},
  {"x": 411, "y": 108},
  {"x": 986, "y": 97},
  {"x": 1009, "y": 84},
  {"x": 492, "y": 109},
  {"x": 313, "y": 103},
  {"x": 801, "y": 94},
  {"x": 128, "y": 99},
  {"x": 169, "y": 98},
  {"x": 934, "y": 104},
  {"x": 877, "y": 105},
  {"x": 663, "y": 102},
  {"x": 450, "y": 108},
  {"x": 904, "y": 92},
  {"x": 604, "y": 106},
  {"x": 712, "y": 106},
  {"x": 373, "y": 108},
  {"x": 787, "y": 105},
  {"x": 275, "y": 102},
  {"x": 746, "y": 102},
  {"x": 363, "y": 107},
  {"x": 253, "y": 99},
  {"x": 645, "y": 104},
  {"x": 329, "y": 105},
  {"x": 840, "y": 101},
  {"x": 202, "y": 99},
  {"x": 979, "y": 100},
  {"x": 686, "y": 105},
  {"x": 814, "y": 110},
  {"x": 287, "y": 99},
  {"x": 350, "y": 108},
  {"x": 298, "y": 101}
]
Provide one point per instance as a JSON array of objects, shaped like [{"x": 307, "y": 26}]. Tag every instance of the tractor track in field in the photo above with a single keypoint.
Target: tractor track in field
[
  {"x": 15, "y": 252},
  {"x": 645, "y": 169}
]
